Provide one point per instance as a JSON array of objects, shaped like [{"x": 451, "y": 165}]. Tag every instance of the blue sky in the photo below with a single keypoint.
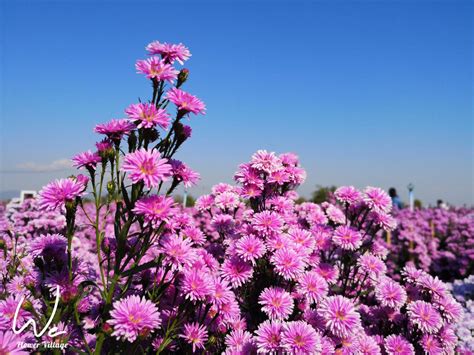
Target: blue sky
[{"x": 366, "y": 93}]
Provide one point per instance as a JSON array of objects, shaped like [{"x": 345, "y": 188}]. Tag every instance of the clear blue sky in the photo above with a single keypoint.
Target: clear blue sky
[{"x": 366, "y": 93}]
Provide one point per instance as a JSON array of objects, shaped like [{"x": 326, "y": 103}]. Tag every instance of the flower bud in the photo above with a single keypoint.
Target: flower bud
[
  {"x": 107, "y": 328},
  {"x": 27, "y": 306},
  {"x": 3, "y": 244},
  {"x": 151, "y": 135},
  {"x": 182, "y": 77},
  {"x": 132, "y": 142},
  {"x": 111, "y": 187}
]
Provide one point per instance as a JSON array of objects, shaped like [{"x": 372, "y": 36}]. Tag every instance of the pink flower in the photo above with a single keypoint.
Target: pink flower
[
  {"x": 178, "y": 251},
  {"x": 132, "y": 317},
  {"x": 59, "y": 192},
  {"x": 9, "y": 343},
  {"x": 371, "y": 265},
  {"x": 240, "y": 341},
  {"x": 347, "y": 238},
  {"x": 227, "y": 200},
  {"x": 398, "y": 345},
  {"x": 186, "y": 102},
  {"x": 367, "y": 345},
  {"x": 312, "y": 286},
  {"x": 340, "y": 315},
  {"x": 148, "y": 115},
  {"x": 431, "y": 345},
  {"x": 276, "y": 303},
  {"x": 196, "y": 284},
  {"x": 195, "y": 334},
  {"x": 377, "y": 199},
  {"x": 147, "y": 166},
  {"x": 267, "y": 222},
  {"x": 266, "y": 162},
  {"x": 424, "y": 316},
  {"x": 288, "y": 262},
  {"x": 87, "y": 159},
  {"x": 250, "y": 248},
  {"x": 390, "y": 294},
  {"x": 154, "y": 209},
  {"x": 348, "y": 194},
  {"x": 300, "y": 338},
  {"x": 115, "y": 129},
  {"x": 269, "y": 336},
  {"x": 328, "y": 272},
  {"x": 49, "y": 245},
  {"x": 236, "y": 271},
  {"x": 183, "y": 173},
  {"x": 169, "y": 52},
  {"x": 155, "y": 68}
]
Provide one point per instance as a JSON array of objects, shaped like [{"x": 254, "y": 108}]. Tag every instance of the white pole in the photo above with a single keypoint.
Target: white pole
[{"x": 185, "y": 197}]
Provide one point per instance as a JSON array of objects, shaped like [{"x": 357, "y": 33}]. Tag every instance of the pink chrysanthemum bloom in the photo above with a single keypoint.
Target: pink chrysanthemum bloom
[
  {"x": 156, "y": 68},
  {"x": 450, "y": 309},
  {"x": 371, "y": 265},
  {"x": 267, "y": 222},
  {"x": 288, "y": 263},
  {"x": 204, "y": 203},
  {"x": 265, "y": 161},
  {"x": 340, "y": 315},
  {"x": 227, "y": 200},
  {"x": 384, "y": 220},
  {"x": 347, "y": 238},
  {"x": 335, "y": 214},
  {"x": 250, "y": 248},
  {"x": 196, "y": 284},
  {"x": 186, "y": 102},
  {"x": 424, "y": 316},
  {"x": 367, "y": 345},
  {"x": 412, "y": 274},
  {"x": 312, "y": 286},
  {"x": 431, "y": 345},
  {"x": 49, "y": 245},
  {"x": 329, "y": 272},
  {"x": 398, "y": 345},
  {"x": 147, "y": 166},
  {"x": 300, "y": 338},
  {"x": 433, "y": 285},
  {"x": 115, "y": 129},
  {"x": 148, "y": 116},
  {"x": 239, "y": 341},
  {"x": 86, "y": 160},
  {"x": 132, "y": 317},
  {"x": 268, "y": 336},
  {"x": 178, "y": 251},
  {"x": 169, "y": 52},
  {"x": 154, "y": 209},
  {"x": 348, "y": 194},
  {"x": 195, "y": 334},
  {"x": 302, "y": 237},
  {"x": 276, "y": 303},
  {"x": 236, "y": 271},
  {"x": 183, "y": 173},
  {"x": 58, "y": 192},
  {"x": 9, "y": 344},
  {"x": 221, "y": 292},
  {"x": 377, "y": 199},
  {"x": 390, "y": 294}
]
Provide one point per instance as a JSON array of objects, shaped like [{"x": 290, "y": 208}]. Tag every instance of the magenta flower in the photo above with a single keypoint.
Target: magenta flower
[
  {"x": 156, "y": 68},
  {"x": 195, "y": 334},
  {"x": 186, "y": 102},
  {"x": 276, "y": 303},
  {"x": 300, "y": 338},
  {"x": 169, "y": 52},
  {"x": 371, "y": 265},
  {"x": 288, "y": 262},
  {"x": 178, "y": 251},
  {"x": 250, "y": 248},
  {"x": 59, "y": 192},
  {"x": 398, "y": 345},
  {"x": 183, "y": 173},
  {"x": 348, "y": 194},
  {"x": 390, "y": 294},
  {"x": 148, "y": 116},
  {"x": 312, "y": 286},
  {"x": 155, "y": 209},
  {"x": 9, "y": 342},
  {"x": 265, "y": 161},
  {"x": 377, "y": 199},
  {"x": 424, "y": 316},
  {"x": 51, "y": 245},
  {"x": 196, "y": 284},
  {"x": 367, "y": 345},
  {"x": 227, "y": 200},
  {"x": 147, "y": 166},
  {"x": 240, "y": 341},
  {"x": 340, "y": 315},
  {"x": 115, "y": 129},
  {"x": 347, "y": 238},
  {"x": 132, "y": 317},
  {"x": 86, "y": 160},
  {"x": 431, "y": 345},
  {"x": 268, "y": 336},
  {"x": 236, "y": 271},
  {"x": 267, "y": 222}
]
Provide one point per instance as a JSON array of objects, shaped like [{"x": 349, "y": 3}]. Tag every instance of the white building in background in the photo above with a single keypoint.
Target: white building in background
[{"x": 17, "y": 201}]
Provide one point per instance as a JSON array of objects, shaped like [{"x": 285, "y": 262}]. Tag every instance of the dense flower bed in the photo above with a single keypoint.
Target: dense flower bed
[{"x": 247, "y": 270}]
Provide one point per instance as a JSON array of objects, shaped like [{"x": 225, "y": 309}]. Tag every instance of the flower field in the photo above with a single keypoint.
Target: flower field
[{"x": 246, "y": 270}]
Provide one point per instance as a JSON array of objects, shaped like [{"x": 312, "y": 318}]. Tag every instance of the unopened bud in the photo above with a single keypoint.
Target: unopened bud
[
  {"x": 111, "y": 187},
  {"x": 182, "y": 77},
  {"x": 132, "y": 142},
  {"x": 27, "y": 306},
  {"x": 107, "y": 328}
]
